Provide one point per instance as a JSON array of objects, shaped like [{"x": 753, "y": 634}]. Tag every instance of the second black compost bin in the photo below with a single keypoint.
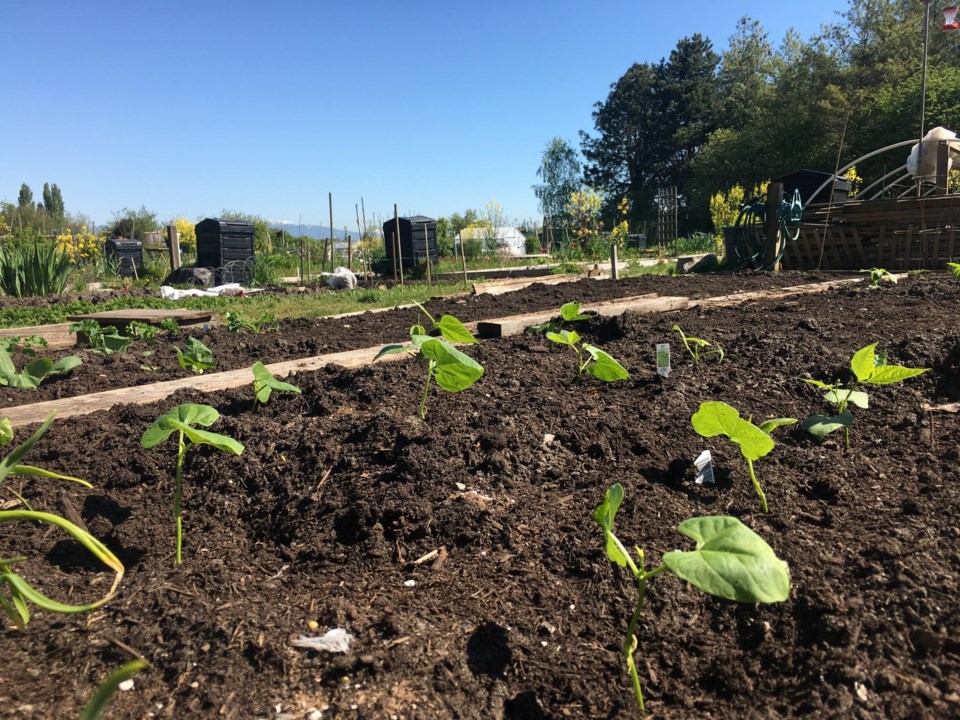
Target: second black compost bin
[
  {"x": 227, "y": 248},
  {"x": 418, "y": 239}
]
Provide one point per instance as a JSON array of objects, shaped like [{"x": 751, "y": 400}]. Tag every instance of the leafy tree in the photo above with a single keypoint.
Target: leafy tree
[
  {"x": 458, "y": 222},
  {"x": 745, "y": 76},
  {"x": 444, "y": 238},
  {"x": 53, "y": 201},
  {"x": 133, "y": 224},
  {"x": 562, "y": 175},
  {"x": 25, "y": 199}
]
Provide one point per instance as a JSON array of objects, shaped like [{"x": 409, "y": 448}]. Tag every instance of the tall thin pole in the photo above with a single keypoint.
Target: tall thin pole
[
  {"x": 331, "y": 232},
  {"x": 396, "y": 239},
  {"x": 923, "y": 93}
]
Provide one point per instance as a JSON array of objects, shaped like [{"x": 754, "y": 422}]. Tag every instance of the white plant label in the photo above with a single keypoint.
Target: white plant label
[
  {"x": 704, "y": 465},
  {"x": 663, "y": 359}
]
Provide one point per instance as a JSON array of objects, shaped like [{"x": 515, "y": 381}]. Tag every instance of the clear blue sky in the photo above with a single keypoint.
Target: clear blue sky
[{"x": 265, "y": 107}]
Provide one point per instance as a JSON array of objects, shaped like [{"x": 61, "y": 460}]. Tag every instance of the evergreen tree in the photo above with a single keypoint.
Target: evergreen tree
[{"x": 25, "y": 199}]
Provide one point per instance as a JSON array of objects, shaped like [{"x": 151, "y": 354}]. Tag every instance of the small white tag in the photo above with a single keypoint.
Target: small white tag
[
  {"x": 704, "y": 465},
  {"x": 663, "y": 359}
]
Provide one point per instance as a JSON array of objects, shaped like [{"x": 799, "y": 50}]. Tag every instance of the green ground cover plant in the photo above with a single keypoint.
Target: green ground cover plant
[
  {"x": 28, "y": 345},
  {"x": 265, "y": 383},
  {"x": 195, "y": 356},
  {"x": 730, "y": 562},
  {"x": 35, "y": 372},
  {"x": 453, "y": 370},
  {"x": 869, "y": 368},
  {"x": 698, "y": 348},
  {"x": 182, "y": 420},
  {"x": 103, "y": 339},
  {"x": 717, "y": 418},
  {"x": 590, "y": 359},
  {"x": 880, "y": 275}
]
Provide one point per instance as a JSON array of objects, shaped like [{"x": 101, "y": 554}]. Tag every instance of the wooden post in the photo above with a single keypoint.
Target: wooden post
[
  {"x": 331, "y": 231},
  {"x": 349, "y": 252},
  {"x": 463, "y": 256},
  {"x": 943, "y": 151},
  {"x": 772, "y": 229},
  {"x": 367, "y": 263},
  {"x": 396, "y": 238},
  {"x": 613, "y": 261},
  {"x": 426, "y": 244},
  {"x": 173, "y": 238}
]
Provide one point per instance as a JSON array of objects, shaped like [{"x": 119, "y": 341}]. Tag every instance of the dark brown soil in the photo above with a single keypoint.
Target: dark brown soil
[{"x": 520, "y": 615}]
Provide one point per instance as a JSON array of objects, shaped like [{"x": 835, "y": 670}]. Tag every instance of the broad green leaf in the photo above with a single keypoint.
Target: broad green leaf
[
  {"x": 66, "y": 364},
  {"x": 115, "y": 343},
  {"x": 39, "y": 368},
  {"x": 822, "y": 425},
  {"x": 564, "y": 337},
  {"x": 605, "y": 515},
  {"x": 717, "y": 418},
  {"x": 853, "y": 397},
  {"x": 886, "y": 374},
  {"x": 864, "y": 362},
  {"x": 570, "y": 312},
  {"x": 453, "y": 330},
  {"x": 24, "y": 381},
  {"x": 391, "y": 350},
  {"x": 6, "y": 431},
  {"x": 731, "y": 562},
  {"x": 604, "y": 367},
  {"x": 772, "y": 424},
  {"x": 205, "y": 437},
  {"x": 453, "y": 370},
  {"x": 187, "y": 414},
  {"x": 265, "y": 382}
]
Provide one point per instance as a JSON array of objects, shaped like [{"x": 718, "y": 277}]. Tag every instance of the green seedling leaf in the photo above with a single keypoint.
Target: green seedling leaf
[
  {"x": 187, "y": 414},
  {"x": 391, "y": 350},
  {"x": 864, "y": 362},
  {"x": 853, "y": 397},
  {"x": 605, "y": 515},
  {"x": 564, "y": 337},
  {"x": 453, "y": 370},
  {"x": 453, "y": 330},
  {"x": 822, "y": 425},
  {"x": 65, "y": 365},
  {"x": 195, "y": 356},
  {"x": 97, "y": 705},
  {"x": 717, "y": 418},
  {"x": 603, "y": 366},
  {"x": 570, "y": 312},
  {"x": 731, "y": 562},
  {"x": 264, "y": 383},
  {"x": 6, "y": 431},
  {"x": 772, "y": 424},
  {"x": 886, "y": 374}
]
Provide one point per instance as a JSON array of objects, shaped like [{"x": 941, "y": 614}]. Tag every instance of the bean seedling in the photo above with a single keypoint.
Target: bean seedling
[
  {"x": 195, "y": 356},
  {"x": 101, "y": 338},
  {"x": 597, "y": 363},
  {"x": 181, "y": 420},
  {"x": 453, "y": 370},
  {"x": 699, "y": 349},
  {"x": 730, "y": 562},
  {"x": 265, "y": 382},
  {"x": 879, "y": 275},
  {"x": 717, "y": 418},
  {"x": 35, "y": 372},
  {"x": 569, "y": 312},
  {"x": 869, "y": 368}
]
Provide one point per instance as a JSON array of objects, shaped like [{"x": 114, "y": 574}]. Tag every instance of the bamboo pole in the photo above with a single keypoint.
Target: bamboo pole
[
  {"x": 463, "y": 256},
  {"x": 426, "y": 243},
  {"x": 397, "y": 244},
  {"x": 331, "y": 231}
]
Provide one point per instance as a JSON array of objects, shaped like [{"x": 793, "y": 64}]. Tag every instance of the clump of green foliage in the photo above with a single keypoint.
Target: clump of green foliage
[
  {"x": 145, "y": 332},
  {"x": 569, "y": 312},
  {"x": 236, "y": 323},
  {"x": 879, "y": 275},
  {"x": 730, "y": 562},
  {"x": 699, "y": 349},
  {"x": 954, "y": 269},
  {"x": 869, "y": 368},
  {"x": 35, "y": 372},
  {"x": 181, "y": 420},
  {"x": 717, "y": 418},
  {"x": 27, "y": 345},
  {"x": 453, "y": 370},
  {"x": 596, "y": 362},
  {"x": 100, "y": 338},
  {"x": 265, "y": 383},
  {"x": 170, "y": 326},
  {"x": 21, "y": 592},
  {"x": 195, "y": 356},
  {"x": 34, "y": 267}
]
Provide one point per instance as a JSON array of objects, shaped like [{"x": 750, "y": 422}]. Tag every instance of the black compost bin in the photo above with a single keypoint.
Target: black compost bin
[
  {"x": 128, "y": 254},
  {"x": 226, "y": 248},
  {"x": 418, "y": 239}
]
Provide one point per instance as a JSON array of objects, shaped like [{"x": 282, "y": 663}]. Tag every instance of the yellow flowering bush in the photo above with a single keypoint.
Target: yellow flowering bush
[
  {"x": 622, "y": 229},
  {"x": 83, "y": 248},
  {"x": 584, "y": 210},
  {"x": 855, "y": 181},
  {"x": 187, "y": 234}
]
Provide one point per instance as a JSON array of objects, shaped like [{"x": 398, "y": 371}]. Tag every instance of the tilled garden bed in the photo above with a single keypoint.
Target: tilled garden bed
[{"x": 516, "y": 612}]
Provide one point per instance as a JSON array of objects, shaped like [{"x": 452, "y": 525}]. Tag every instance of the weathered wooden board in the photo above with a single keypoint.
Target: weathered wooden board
[
  {"x": 499, "y": 287},
  {"x": 516, "y": 324},
  {"x": 57, "y": 336},
  {"x": 143, "y": 394},
  {"x": 151, "y": 316},
  {"x": 737, "y": 298}
]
